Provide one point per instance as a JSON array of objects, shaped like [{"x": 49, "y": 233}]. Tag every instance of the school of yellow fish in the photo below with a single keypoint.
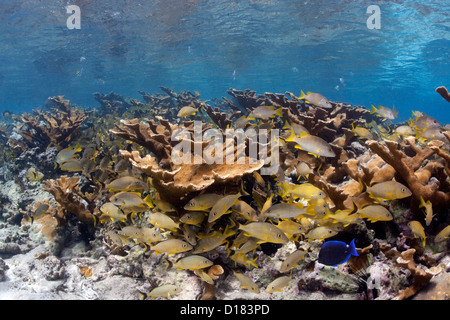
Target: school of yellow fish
[{"x": 209, "y": 220}]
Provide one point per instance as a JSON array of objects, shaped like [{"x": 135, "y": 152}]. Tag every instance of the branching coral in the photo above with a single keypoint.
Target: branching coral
[
  {"x": 406, "y": 165},
  {"x": 70, "y": 199},
  {"x": 55, "y": 129}
]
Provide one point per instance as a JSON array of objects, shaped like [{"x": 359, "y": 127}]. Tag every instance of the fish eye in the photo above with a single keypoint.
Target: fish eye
[
  {"x": 330, "y": 231},
  {"x": 403, "y": 189},
  {"x": 320, "y": 193},
  {"x": 279, "y": 235},
  {"x": 184, "y": 246},
  {"x": 300, "y": 228}
]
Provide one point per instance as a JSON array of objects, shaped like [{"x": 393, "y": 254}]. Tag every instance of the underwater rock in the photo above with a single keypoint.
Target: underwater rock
[
  {"x": 437, "y": 289},
  {"x": 3, "y": 268},
  {"x": 443, "y": 92}
]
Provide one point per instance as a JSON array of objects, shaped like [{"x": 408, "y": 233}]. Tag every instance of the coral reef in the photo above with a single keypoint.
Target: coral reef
[{"x": 91, "y": 193}]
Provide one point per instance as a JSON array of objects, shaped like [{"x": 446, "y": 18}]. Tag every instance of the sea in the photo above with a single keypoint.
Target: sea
[{"x": 389, "y": 53}]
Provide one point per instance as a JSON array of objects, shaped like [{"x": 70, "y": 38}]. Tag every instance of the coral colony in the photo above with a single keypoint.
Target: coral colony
[{"x": 255, "y": 196}]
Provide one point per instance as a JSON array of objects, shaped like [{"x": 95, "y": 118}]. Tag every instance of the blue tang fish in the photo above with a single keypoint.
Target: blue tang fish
[{"x": 333, "y": 253}]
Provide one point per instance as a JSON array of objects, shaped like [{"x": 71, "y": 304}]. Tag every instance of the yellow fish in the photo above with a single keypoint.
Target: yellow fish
[
  {"x": 278, "y": 284},
  {"x": 127, "y": 199},
  {"x": 203, "y": 202},
  {"x": 428, "y": 210},
  {"x": 163, "y": 221},
  {"x": 246, "y": 282},
  {"x": 126, "y": 183},
  {"x": 292, "y": 260},
  {"x": 384, "y": 112},
  {"x": 320, "y": 233},
  {"x": 72, "y": 165},
  {"x": 193, "y": 217},
  {"x": 163, "y": 291},
  {"x": 265, "y": 112},
  {"x": 112, "y": 212},
  {"x": 285, "y": 211},
  {"x": 245, "y": 210},
  {"x": 312, "y": 144},
  {"x": 388, "y": 190},
  {"x": 249, "y": 245},
  {"x": 362, "y": 132},
  {"x": 192, "y": 262},
  {"x": 290, "y": 228},
  {"x": 443, "y": 234},
  {"x": 304, "y": 170},
  {"x": 143, "y": 234},
  {"x": 305, "y": 190},
  {"x": 42, "y": 209},
  {"x": 418, "y": 230},
  {"x": 171, "y": 246},
  {"x": 221, "y": 207},
  {"x": 212, "y": 241},
  {"x": 315, "y": 99},
  {"x": 33, "y": 175},
  {"x": 186, "y": 112},
  {"x": 375, "y": 213},
  {"x": 264, "y": 231},
  {"x": 242, "y": 259},
  {"x": 164, "y": 206},
  {"x": 266, "y": 205},
  {"x": 67, "y": 154}
]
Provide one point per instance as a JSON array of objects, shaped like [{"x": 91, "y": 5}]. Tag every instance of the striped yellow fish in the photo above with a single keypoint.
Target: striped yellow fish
[
  {"x": 203, "y": 202},
  {"x": 163, "y": 221},
  {"x": 278, "y": 284},
  {"x": 442, "y": 235},
  {"x": 171, "y": 246},
  {"x": 265, "y": 232},
  {"x": 246, "y": 282},
  {"x": 285, "y": 210},
  {"x": 221, "y": 207},
  {"x": 375, "y": 213},
  {"x": 417, "y": 230},
  {"x": 320, "y": 233},
  {"x": 292, "y": 260},
  {"x": 193, "y": 262},
  {"x": 388, "y": 190}
]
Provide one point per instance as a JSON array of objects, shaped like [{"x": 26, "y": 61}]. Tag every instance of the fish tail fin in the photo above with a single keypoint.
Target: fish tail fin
[
  {"x": 352, "y": 248},
  {"x": 286, "y": 125},
  {"x": 243, "y": 192},
  {"x": 291, "y": 137},
  {"x": 168, "y": 262},
  {"x": 142, "y": 294},
  {"x": 228, "y": 232},
  {"x": 279, "y": 112},
  {"x": 373, "y": 109},
  {"x": 149, "y": 201},
  {"x": 95, "y": 220},
  {"x": 362, "y": 185},
  {"x": 422, "y": 202},
  {"x": 253, "y": 262},
  {"x": 302, "y": 95},
  {"x": 395, "y": 112}
]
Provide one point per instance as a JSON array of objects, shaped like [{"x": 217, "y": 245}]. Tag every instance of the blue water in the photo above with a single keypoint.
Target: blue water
[{"x": 211, "y": 46}]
